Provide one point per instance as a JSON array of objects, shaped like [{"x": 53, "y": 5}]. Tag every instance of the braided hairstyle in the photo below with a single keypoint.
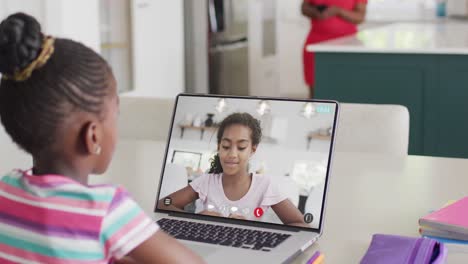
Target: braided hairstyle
[
  {"x": 75, "y": 78},
  {"x": 244, "y": 119}
]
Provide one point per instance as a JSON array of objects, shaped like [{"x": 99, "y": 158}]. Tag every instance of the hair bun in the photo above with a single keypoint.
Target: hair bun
[{"x": 20, "y": 42}]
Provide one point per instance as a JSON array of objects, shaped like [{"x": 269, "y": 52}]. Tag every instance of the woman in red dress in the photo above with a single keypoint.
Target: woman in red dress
[{"x": 329, "y": 19}]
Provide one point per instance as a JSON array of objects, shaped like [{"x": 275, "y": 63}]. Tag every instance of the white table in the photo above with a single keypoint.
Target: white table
[
  {"x": 368, "y": 194},
  {"x": 379, "y": 194}
]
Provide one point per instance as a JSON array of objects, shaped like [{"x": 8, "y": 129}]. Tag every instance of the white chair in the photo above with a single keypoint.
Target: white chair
[
  {"x": 145, "y": 118},
  {"x": 373, "y": 128},
  {"x": 314, "y": 203},
  {"x": 11, "y": 156}
]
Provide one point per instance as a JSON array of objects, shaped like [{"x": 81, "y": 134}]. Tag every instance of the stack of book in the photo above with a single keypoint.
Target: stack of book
[
  {"x": 317, "y": 258},
  {"x": 448, "y": 224}
]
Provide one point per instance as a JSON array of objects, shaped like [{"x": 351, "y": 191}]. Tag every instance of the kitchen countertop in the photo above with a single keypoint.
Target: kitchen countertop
[{"x": 406, "y": 38}]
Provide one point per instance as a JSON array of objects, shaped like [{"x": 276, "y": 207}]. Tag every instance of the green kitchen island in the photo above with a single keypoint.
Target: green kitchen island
[{"x": 421, "y": 66}]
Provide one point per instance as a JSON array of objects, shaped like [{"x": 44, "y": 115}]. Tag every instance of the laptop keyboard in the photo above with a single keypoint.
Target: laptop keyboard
[{"x": 222, "y": 235}]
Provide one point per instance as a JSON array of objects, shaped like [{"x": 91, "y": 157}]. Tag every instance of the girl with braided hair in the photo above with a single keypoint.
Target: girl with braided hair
[{"x": 59, "y": 103}]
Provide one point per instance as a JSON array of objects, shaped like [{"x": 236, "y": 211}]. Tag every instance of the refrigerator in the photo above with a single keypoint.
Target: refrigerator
[{"x": 228, "y": 47}]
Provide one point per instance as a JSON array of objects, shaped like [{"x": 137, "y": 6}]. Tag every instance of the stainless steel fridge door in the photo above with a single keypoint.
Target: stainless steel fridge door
[{"x": 229, "y": 71}]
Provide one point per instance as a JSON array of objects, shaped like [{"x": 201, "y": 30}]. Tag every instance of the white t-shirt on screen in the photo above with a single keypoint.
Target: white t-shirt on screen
[{"x": 262, "y": 193}]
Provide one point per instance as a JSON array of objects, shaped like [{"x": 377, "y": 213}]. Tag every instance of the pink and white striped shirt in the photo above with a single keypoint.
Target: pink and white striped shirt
[{"x": 54, "y": 219}]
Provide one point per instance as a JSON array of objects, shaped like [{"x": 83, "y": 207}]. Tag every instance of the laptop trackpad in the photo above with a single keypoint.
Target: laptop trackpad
[{"x": 203, "y": 251}]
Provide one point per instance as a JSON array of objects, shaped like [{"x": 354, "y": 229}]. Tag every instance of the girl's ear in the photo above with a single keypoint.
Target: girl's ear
[{"x": 93, "y": 138}]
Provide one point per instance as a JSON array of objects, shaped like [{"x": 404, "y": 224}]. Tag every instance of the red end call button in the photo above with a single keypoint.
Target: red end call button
[{"x": 258, "y": 212}]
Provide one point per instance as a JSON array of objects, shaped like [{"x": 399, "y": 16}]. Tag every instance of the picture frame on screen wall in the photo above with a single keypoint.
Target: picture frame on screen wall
[{"x": 187, "y": 159}]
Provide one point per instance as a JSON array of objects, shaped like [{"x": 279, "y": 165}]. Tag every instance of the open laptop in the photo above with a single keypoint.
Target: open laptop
[{"x": 288, "y": 173}]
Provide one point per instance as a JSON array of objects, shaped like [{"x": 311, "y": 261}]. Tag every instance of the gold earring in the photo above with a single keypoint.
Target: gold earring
[{"x": 98, "y": 150}]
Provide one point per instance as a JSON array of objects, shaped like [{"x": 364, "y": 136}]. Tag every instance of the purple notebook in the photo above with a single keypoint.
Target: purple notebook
[{"x": 386, "y": 249}]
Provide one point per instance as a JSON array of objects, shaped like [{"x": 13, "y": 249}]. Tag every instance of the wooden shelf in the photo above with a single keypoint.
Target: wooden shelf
[
  {"x": 198, "y": 128},
  {"x": 317, "y": 136},
  {"x": 201, "y": 129},
  {"x": 114, "y": 45}
]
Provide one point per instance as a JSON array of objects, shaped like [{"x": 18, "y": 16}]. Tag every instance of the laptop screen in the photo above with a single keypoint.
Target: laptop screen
[{"x": 253, "y": 159}]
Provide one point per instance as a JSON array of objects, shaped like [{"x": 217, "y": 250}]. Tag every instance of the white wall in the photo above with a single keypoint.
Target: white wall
[
  {"x": 401, "y": 10},
  {"x": 196, "y": 46},
  {"x": 158, "y": 47},
  {"x": 263, "y": 70},
  {"x": 32, "y": 7},
  {"x": 292, "y": 32},
  {"x": 78, "y": 20},
  {"x": 116, "y": 40}
]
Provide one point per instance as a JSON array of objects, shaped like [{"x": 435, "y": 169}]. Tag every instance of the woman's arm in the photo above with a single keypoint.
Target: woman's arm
[
  {"x": 161, "y": 248},
  {"x": 289, "y": 214},
  {"x": 179, "y": 199},
  {"x": 310, "y": 10},
  {"x": 356, "y": 16}
]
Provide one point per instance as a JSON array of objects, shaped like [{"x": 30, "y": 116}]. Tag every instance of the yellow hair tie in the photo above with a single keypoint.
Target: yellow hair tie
[{"x": 46, "y": 52}]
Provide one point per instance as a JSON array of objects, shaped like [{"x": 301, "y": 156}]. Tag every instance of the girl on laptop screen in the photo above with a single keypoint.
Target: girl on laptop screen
[{"x": 228, "y": 189}]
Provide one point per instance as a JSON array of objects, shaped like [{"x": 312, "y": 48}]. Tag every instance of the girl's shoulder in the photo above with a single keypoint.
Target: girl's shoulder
[
  {"x": 72, "y": 197},
  {"x": 67, "y": 189}
]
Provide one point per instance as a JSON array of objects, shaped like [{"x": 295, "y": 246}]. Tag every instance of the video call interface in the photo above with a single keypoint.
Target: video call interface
[{"x": 248, "y": 159}]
